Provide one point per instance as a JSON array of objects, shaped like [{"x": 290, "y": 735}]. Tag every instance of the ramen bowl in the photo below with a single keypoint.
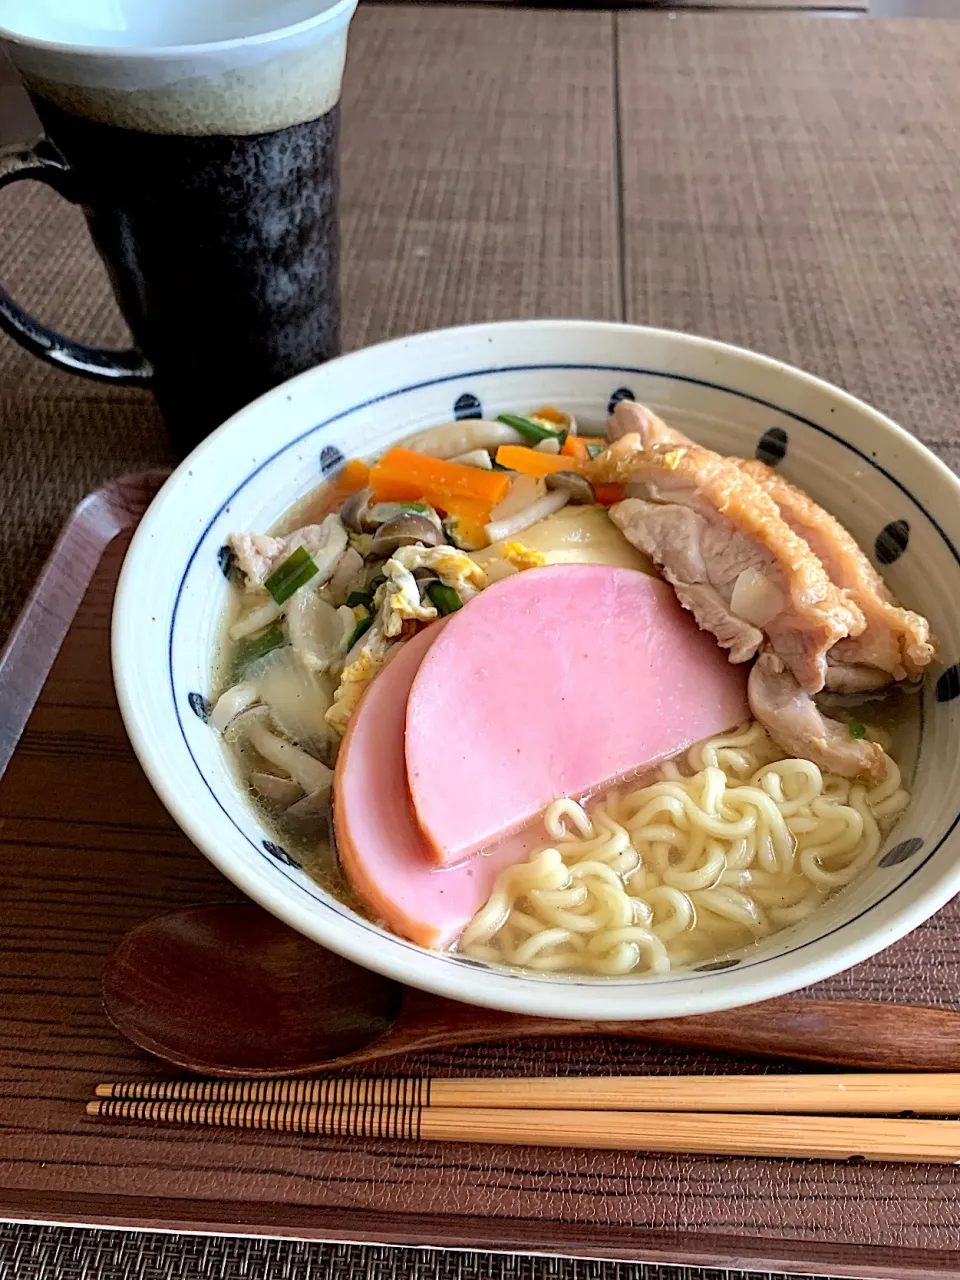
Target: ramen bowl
[{"x": 898, "y": 500}]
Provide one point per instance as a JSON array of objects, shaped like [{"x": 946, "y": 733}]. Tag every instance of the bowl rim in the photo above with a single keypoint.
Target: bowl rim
[{"x": 527, "y": 993}]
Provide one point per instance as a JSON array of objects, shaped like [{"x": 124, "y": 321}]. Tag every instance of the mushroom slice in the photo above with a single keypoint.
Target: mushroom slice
[
  {"x": 311, "y": 813},
  {"x": 577, "y": 487},
  {"x": 355, "y": 512},
  {"x": 309, "y": 773},
  {"x": 280, "y": 791},
  {"x": 539, "y": 510},
  {"x": 407, "y": 529},
  {"x": 231, "y": 703},
  {"x": 454, "y": 438}
]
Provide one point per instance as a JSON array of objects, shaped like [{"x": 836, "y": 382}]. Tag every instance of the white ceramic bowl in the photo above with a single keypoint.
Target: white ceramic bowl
[{"x": 878, "y": 480}]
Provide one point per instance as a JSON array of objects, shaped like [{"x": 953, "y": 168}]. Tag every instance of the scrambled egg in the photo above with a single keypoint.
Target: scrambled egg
[
  {"x": 399, "y": 599},
  {"x": 522, "y": 557},
  {"x": 454, "y": 568},
  {"x": 353, "y": 684}
]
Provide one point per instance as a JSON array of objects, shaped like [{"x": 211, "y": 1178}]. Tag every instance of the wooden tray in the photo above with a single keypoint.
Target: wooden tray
[{"x": 88, "y": 851}]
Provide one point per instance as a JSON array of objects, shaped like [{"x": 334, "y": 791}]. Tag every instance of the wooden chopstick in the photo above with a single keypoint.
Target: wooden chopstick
[
  {"x": 874, "y": 1094},
  {"x": 810, "y": 1137}
]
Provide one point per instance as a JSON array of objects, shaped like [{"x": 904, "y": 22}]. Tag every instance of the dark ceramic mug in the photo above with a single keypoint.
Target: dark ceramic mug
[{"x": 201, "y": 140}]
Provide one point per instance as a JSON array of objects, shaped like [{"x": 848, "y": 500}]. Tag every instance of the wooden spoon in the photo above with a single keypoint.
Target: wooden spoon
[{"x": 227, "y": 990}]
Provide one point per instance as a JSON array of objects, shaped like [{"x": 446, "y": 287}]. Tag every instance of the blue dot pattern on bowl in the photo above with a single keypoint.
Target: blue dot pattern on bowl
[
  {"x": 715, "y": 966},
  {"x": 199, "y": 706},
  {"x": 891, "y": 542},
  {"x": 331, "y": 460},
  {"x": 225, "y": 559},
  {"x": 948, "y": 686},
  {"x": 772, "y": 446},
  {"x": 621, "y": 393},
  {"x": 467, "y": 406},
  {"x": 901, "y": 852},
  {"x": 281, "y": 855}
]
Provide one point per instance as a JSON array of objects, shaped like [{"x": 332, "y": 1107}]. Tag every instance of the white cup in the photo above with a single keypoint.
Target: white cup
[{"x": 182, "y": 66}]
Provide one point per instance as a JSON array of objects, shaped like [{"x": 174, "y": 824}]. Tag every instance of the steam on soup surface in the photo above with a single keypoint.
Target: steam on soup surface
[{"x": 599, "y": 704}]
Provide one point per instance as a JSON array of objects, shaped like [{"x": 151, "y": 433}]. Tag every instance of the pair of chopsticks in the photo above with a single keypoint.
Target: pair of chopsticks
[{"x": 811, "y": 1116}]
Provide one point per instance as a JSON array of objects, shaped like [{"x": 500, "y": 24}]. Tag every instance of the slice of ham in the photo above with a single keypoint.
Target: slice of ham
[
  {"x": 381, "y": 849},
  {"x": 553, "y": 683}
]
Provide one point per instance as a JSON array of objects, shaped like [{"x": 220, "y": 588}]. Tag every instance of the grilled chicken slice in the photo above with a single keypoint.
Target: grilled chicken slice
[
  {"x": 629, "y": 418},
  {"x": 795, "y": 722},
  {"x": 734, "y": 563},
  {"x": 895, "y": 641}
]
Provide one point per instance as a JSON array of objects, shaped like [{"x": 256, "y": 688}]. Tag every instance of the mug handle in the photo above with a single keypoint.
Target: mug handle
[{"x": 130, "y": 368}]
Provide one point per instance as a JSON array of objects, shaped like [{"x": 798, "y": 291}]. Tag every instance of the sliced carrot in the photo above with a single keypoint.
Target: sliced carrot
[
  {"x": 351, "y": 477},
  {"x": 576, "y": 447},
  {"x": 517, "y": 457},
  {"x": 402, "y": 476},
  {"x": 608, "y": 494},
  {"x": 467, "y": 509},
  {"x": 471, "y": 517}
]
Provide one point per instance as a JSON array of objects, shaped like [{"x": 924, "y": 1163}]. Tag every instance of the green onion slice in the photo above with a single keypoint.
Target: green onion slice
[
  {"x": 857, "y": 729},
  {"x": 531, "y": 431},
  {"x": 295, "y": 572},
  {"x": 595, "y": 450},
  {"x": 444, "y": 598},
  {"x": 362, "y": 627},
  {"x": 249, "y": 650}
]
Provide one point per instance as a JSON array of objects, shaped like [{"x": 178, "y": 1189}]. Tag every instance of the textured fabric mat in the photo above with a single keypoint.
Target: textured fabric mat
[
  {"x": 52, "y": 1253},
  {"x": 471, "y": 190},
  {"x": 791, "y": 184}
]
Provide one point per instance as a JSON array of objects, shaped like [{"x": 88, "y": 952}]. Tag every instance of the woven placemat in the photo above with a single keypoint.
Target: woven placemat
[
  {"x": 53, "y": 1253},
  {"x": 791, "y": 184}
]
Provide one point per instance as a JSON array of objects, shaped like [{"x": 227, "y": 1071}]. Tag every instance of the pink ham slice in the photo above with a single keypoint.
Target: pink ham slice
[
  {"x": 381, "y": 849},
  {"x": 553, "y": 683}
]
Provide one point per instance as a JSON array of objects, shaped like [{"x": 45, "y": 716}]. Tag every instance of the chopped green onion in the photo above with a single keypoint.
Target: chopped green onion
[
  {"x": 296, "y": 570},
  {"x": 531, "y": 431},
  {"x": 364, "y": 598},
  {"x": 362, "y": 627},
  {"x": 444, "y": 597},
  {"x": 857, "y": 729},
  {"x": 415, "y": 506},
  {"x": 249, "y": 650},
  {"x": 595, "y": 450}
]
